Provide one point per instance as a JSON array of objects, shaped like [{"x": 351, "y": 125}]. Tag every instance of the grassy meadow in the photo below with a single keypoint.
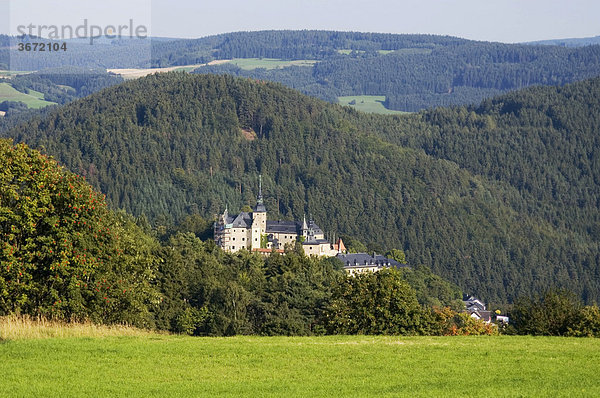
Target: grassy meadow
[
  {"x": 153, "y": 365},
  {"x": 402, "y": 51},
  {"x": 33, "y": 100},
  {"x": 368, "y": 103},
  {"x": 269, "y": 63}
]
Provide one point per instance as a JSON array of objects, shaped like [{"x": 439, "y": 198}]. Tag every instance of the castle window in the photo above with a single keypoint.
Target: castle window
[
  {"x": 243, "y": 239},
  {"x": 256, "y": 239},
  {"x": 233, "y": 239}
]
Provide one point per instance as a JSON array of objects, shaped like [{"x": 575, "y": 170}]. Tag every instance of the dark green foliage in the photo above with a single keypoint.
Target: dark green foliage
[
  {"x": 241, "y": 293},
  {"x": 553, "y": 313},
  {"x": 431, "y": 289},
  {"x": 543, "y": 143},
  {"x": 12, "y": 106},
  {"x": 353, "y": 245},
  {"x": 190, "y": 321},
  {"x": 587, "y": 322},
  {"x": 63, "y": 254},
  {"x": 397, "y": 254},
  {"x": 374, "y": 303}
]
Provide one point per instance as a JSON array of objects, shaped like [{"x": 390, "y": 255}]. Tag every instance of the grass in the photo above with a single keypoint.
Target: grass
[
  {"x": 33, "y": 100},
  {"x": 22, "y": 328},
  {"x": 269, "y": 63},
  {"x": 5, "y": 73},
  {"x": 176, "y": 366},
  {"x": 403, "y": 51},
  {"x": 368, "y": 103},
  {"x": 187, "y": 68}
]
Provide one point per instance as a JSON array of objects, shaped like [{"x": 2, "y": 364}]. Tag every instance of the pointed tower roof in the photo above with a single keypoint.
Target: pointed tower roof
[
  {"x": 260, "y": 206},
  {"x": 304, "y": 224},
  {"x": 341, "y": 246}
]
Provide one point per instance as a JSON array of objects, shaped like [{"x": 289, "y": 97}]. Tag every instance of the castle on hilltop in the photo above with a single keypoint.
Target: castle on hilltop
[{"x": 252, "y": 231}]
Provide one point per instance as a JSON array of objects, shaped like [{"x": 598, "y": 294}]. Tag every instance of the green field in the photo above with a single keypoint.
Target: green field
[
  {"x": 33, "y": 100},
  {"x": 368, "y": 103},
  {"x": 173, "y": 366},
  {"x": 187, "y": 68},
  {"x": 404, "y": 51},
  {"x": 8, "y": 73},
  {"x": 269, "y": 63}
]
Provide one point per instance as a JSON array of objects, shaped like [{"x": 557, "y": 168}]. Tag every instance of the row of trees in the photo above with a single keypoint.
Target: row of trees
[{"x": 555, "y": 313}]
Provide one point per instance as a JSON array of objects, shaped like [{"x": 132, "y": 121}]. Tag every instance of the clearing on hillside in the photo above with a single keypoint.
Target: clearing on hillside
[
  {"x": 269, "y": 63},
  {"x": 368, "y": 103},
  {"x": 34, "y": 99}
]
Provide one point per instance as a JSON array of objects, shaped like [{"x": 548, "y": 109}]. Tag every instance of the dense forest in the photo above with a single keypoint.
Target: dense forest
[
  {"x": 64, "y": 255},
  {"x": 457, "y": 189},
  {"x": 413, "y": 72}
]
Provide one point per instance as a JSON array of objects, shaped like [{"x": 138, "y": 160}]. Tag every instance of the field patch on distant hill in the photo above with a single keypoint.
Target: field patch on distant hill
[
  {"x": 269, "y": 63},
  {"x": 33, "y": 100},
  {"x": 368, "y": 103}
]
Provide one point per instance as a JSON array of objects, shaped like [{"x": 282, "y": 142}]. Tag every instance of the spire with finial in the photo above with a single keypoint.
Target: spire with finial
[
  {"x": 260, "y": 198},
  {"x": 260, "y": 207}
]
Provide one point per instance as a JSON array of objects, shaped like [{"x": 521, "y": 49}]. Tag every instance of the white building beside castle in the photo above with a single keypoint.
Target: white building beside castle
[{"x": 253, "y": 231}]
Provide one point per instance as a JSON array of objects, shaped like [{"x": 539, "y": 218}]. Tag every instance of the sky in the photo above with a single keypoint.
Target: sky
[{"x": 507, "y": 21}]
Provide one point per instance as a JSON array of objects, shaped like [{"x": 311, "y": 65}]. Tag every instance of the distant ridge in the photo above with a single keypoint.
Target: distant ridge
[{"x": 572, "y": 42}]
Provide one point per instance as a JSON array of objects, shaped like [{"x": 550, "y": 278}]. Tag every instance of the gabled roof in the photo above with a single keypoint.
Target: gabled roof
[
  {"x": 483, "y": 315},
  {"x": 471, "y": 302},
  {"x": 314, "y": 229},
  {"x": 290, "y": 227},
  {"x": 242, "y": 220},
  {"x": 315, "y": 242},
  {"x": 364, "y": 259}
]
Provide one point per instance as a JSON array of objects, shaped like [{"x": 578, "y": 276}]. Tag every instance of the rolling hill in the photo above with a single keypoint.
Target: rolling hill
[
  {"x": 170, "y": 145},
  {"x": 412, "y": 72}
]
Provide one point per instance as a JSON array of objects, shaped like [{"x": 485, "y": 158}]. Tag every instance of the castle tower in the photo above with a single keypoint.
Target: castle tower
[
  {"x": 304, "y": 228},
  {"x": 259, "y": 218}
]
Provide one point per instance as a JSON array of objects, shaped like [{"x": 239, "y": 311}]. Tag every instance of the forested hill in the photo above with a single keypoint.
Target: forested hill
[
  {"x": 543, "y": 141},
  {"x": 174, "y": 144},
  {"x": 412, "y": 72}
]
